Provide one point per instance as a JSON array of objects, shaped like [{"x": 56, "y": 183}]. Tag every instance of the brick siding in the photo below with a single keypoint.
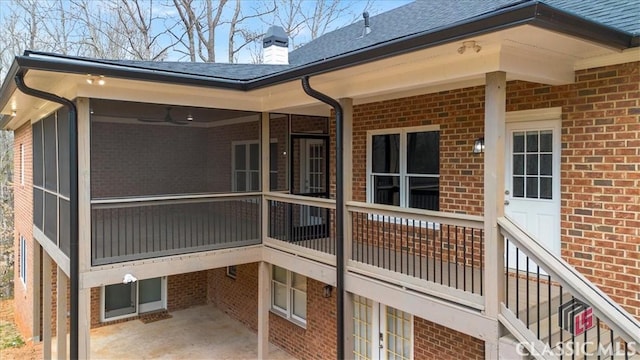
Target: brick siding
[
  {"x": 433, "y": 341},
  {"x": 23, "y": 214}
]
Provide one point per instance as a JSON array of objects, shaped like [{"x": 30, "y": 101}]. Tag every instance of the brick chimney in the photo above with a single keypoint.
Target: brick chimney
[{"x": 276, "y": 46}]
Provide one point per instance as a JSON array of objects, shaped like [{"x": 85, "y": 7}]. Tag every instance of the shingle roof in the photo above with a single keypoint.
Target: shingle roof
[
  {"x": 413, "y": 18},
  {"x": 213, "y": 70},
  {"x": 619, "y": 14},
  {"x": 430, "y": 15}
]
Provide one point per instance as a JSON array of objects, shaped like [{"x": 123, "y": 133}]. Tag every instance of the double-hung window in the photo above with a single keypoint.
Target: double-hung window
[
  {"x": 246, "y": 166},
  {"x": 404, "y": 167},
  {"x": 289, "y": 294}
]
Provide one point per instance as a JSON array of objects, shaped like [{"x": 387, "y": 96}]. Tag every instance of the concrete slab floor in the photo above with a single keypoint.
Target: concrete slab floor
[{"x": 200, "y": 332}]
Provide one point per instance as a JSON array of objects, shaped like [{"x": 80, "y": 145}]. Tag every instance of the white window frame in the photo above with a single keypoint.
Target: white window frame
[
  {"x": 402, "y": 174},
  {"x": 290, "y": 290},
  {"x": 232, "y": 271},
  {"x": 247, "y": 144},
  {"x": 23, "y": 260},
  {"x": 103, "y": 317}
]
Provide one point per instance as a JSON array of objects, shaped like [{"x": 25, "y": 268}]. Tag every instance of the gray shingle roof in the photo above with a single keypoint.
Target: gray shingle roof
[
  {"x": 431, "y": 15},
  {"x": 619, "y": 14},
  {"x": 214, "y": 70},
  {"x": 413, "y": 18}
]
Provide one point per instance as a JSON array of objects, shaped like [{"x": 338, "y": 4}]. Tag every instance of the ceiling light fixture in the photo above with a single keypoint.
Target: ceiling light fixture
[{"x": 471, "y": 44}]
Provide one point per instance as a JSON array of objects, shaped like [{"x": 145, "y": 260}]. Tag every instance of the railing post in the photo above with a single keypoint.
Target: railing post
[{"x": 494, "y": 133}]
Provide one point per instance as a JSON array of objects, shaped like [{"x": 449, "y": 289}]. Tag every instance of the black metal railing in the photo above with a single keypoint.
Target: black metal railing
[
  {"x": 558, "y": 322},
  {"x": 448, "y": 253},
  {"x": 133, "y": 229},
  {"x": 305, "y": 222}
]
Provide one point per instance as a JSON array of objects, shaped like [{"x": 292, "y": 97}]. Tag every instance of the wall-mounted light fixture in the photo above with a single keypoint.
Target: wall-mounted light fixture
[
  {"x": 326, "y": 291},
  {"x": 478, "y": 146},
  {"x": 128, "y": 278},
  {"x": 189, "y": 117},
  {"x": 14, "y": 113}
]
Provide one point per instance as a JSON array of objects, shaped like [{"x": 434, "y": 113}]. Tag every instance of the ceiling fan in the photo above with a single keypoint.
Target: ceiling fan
[{"x": 167, "y": 118}]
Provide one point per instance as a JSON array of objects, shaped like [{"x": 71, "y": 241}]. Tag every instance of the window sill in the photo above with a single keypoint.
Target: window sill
[{"x": 290, "y": 319}]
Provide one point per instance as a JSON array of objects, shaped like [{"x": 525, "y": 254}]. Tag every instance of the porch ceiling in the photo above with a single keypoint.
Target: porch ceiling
[{"x": 524, "y": 52}]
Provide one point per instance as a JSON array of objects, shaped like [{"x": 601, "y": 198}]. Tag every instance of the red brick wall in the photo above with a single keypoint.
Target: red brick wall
[
  {"x": 23, "y": 213},
  {"x": 600, "y": 213},
  {"x": 183, "y": 291},
  {"x": 238, "y": 298},
  {"x": 600, "y": 208},
  {"x": 433, "y": 341}
]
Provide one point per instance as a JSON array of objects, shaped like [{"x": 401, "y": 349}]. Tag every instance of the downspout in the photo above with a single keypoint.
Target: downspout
[
  {"x": 337, "y": 108},
  {"x": 73, "y": 200}
]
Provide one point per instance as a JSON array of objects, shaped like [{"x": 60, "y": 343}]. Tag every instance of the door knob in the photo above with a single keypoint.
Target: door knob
[
  {"x": 506, "y": 202},
  {"x": 506, "y": 192}
]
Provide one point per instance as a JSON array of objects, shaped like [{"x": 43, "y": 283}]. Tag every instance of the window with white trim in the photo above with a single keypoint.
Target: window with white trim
[
  {"x": 404, "y": 167},
  {"x": 289, "y": 294},
  {"x": 246, "y": 165},
  {"x": 232, "y": 271},
  {"x": 23, "y": 260}
]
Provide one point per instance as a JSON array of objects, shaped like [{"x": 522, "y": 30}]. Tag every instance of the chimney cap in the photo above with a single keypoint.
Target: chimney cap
[{"x": 275, "y": 36}]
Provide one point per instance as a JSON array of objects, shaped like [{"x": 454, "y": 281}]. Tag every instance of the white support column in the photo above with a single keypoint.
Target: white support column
[
  {"x": 264, "y": 304},
  {"x": 264, "y": 170},
  {"x": 47, "y": 305},
  {"x": 347, "y": 131},
  {"x": 84, "y": 323},
  {"x": 494, "y": 132},
  {"x": 61, "y": 313},
  {"x": 84, "y": 183}
]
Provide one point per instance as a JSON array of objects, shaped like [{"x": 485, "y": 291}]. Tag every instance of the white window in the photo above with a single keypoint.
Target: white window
[
  {"x": 23, "y": 260},
  {"x": 134, "y": 298},
  {"x": 21, "y": 164},
  {"x": 246, "y": 166},
  {"x": 403, "y": 167},
  {"x": 232, "y": 271},
  {"x": 289, "y": 294}
]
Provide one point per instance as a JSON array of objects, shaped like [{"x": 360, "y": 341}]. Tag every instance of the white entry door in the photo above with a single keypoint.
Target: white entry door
[
  {"x": 381, "y": 332},
  {"x": 532, "y": 184}
]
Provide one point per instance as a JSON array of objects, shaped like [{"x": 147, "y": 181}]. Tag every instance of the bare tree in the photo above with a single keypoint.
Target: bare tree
[
  {"x": 247, "y": 34},
  {"x": 135, "y": 21}
]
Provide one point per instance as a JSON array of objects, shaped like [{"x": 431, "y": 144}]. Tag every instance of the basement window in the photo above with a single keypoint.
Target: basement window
[{"x": 289, "y": 295}]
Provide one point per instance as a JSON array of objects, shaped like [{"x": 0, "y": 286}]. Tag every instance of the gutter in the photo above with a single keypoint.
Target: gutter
[
  {"x": 340, "y": 350},
  {"x": 526, "y": 13},
  {"x": 73, "y": 203}
]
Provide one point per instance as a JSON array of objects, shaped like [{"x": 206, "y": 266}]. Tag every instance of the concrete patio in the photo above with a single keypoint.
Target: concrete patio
[{"x": 201, "y": 332}]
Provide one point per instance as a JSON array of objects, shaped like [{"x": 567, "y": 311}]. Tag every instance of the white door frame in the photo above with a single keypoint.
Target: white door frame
[{"x": 549, "y": 119}]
